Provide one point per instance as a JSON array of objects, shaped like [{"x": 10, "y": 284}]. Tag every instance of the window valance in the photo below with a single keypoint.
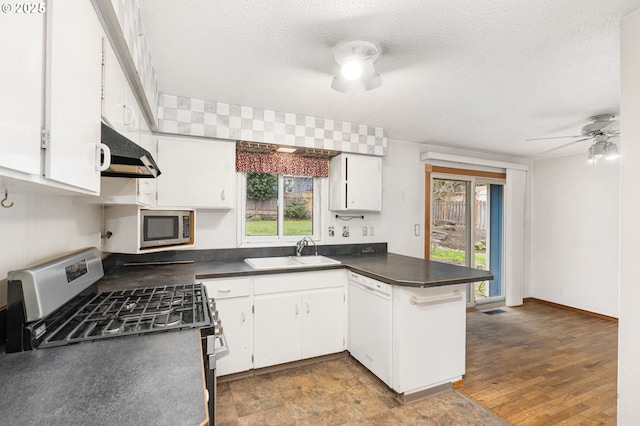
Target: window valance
[{"x": 281, "y": 163}]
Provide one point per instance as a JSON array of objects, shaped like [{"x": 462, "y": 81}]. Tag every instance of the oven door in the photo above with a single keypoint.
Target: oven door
[{"x": 215, "y": 347}]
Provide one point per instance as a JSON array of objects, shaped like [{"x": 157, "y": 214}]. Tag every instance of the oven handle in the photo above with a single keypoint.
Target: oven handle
[
  {"x": 214, "y": 352},
  {"x": 223, "y": 350}
]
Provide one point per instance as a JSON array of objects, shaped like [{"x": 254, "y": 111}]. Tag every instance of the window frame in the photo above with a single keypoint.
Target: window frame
[{"x": 280, "y": 238}]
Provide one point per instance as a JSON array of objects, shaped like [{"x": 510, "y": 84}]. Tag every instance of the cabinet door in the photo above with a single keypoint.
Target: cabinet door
[
  {"x": 323, "y": 325},
  {"x": 237, "y": 323},
  {"x": 74, "y": 62},
  {"x": 113, "y": 91},
  {"x": 21, "y": 88},
  {"x": 364, "y": 183},
  {"x": 435, "y": 352},
  {"x": 277, "y": 329},
  {"x": 195, "y": 173},
  {"x": 146, "y": 188},
  {"x": 355, "y": 183},
  {"x": 132, "y": 116}
]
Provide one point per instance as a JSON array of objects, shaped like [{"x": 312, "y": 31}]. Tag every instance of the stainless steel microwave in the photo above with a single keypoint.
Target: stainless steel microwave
[{"x": 159, "y": 228}]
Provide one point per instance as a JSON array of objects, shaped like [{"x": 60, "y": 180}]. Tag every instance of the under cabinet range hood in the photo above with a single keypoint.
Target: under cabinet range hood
[{"x": 127, "y": 158}]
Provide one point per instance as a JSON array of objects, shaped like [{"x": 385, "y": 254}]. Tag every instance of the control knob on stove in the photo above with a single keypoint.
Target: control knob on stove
[{"x": 217, "y": 327}]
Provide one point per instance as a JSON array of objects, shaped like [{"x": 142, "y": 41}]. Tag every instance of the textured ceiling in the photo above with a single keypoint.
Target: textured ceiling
[{"x": 482, "y": 75}]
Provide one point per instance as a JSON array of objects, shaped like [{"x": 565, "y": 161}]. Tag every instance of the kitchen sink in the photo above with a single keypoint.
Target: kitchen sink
[
  {"x": 283, "y": 262},
  {"x": 315, "y": 260}
]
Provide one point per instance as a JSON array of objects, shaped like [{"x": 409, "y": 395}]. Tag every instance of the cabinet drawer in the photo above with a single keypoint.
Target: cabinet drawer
[{"x": 224, "y": 288}]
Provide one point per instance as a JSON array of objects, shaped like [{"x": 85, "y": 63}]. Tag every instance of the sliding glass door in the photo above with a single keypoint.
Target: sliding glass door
[{"x": 466, "y": 228}]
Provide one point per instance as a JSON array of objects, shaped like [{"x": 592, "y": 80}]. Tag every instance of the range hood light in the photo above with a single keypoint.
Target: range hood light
[{"x": 286, "y": 149}]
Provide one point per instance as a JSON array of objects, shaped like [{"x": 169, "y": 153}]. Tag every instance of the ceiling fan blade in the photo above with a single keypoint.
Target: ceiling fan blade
[
  {"x": 564, "y": 146},
  {"x": 554, "y": 137}
]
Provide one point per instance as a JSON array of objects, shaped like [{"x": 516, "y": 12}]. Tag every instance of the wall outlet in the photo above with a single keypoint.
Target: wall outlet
[
  {"x": 416, "y": 229},
  {"x": 345, "y": 231},
  {"x": 364, "y": 231},
  {"x": 332, "y": 232},
  {"x": 371, "y": 231}
]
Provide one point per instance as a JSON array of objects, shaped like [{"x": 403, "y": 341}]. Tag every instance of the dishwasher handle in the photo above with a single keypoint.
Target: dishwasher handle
[{"x": 433, "y": 300}]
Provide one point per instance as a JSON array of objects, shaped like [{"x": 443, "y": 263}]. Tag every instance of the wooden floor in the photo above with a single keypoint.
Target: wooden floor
[{"x": 542, "y": 365}]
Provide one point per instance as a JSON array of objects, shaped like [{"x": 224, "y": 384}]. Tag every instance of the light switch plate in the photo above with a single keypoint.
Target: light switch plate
[
  {"x": 364, "y": 231},
  {"x": 416, "y": 229}
]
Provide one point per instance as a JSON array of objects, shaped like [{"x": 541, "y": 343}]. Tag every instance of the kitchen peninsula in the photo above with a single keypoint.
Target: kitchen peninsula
[{"x": 421, "y": 292}]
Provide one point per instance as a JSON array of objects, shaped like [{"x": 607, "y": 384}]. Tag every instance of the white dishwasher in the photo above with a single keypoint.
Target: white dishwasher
[{"x": 370, "y": 324}]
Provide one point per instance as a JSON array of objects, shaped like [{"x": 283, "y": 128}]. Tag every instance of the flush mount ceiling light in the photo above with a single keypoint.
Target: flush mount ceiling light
[{"x": 356, "y": 60}]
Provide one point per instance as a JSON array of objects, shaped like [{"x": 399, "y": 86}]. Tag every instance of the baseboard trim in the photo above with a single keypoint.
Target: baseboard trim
[
  {"x": 571, "y": 308},
  {"x": 423, "y": 394},
  {"x": 281, "y": 367}
]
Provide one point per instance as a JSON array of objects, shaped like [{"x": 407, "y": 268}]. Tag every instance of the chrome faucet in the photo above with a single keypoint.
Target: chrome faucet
[{"x": 300, "y": 245}]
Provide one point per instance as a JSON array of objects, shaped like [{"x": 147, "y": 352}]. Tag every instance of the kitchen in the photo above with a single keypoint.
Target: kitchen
[{"x": 33, "y": 226}]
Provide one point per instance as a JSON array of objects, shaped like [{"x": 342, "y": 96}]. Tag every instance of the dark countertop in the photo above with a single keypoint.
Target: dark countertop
[
  {"x": 387, "y": 267},
  {"x": 107, "y": 382},
  {"x": 411, "y": 272}
]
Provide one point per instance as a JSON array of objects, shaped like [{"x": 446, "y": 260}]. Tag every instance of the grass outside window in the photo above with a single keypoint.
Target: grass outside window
[{"x": 270, "y": 227}]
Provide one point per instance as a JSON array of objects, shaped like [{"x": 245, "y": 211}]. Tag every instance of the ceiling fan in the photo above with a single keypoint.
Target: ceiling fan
[{"x": 599, "y": 130}]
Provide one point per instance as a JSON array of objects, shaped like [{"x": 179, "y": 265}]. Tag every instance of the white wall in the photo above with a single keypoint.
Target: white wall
[
  {"x": 41, "y": 226},
  {"x": 629, "y": 341},
  {"x": 575, "y": 238}
]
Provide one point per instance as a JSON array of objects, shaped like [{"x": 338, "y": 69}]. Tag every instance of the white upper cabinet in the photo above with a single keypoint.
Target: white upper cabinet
[
  {"x": 74, "y": 73},
  {"x": 114, "y": 85},
  {"x": 121, "y": 111},
  {"x": 196, "y": 173},
  {"x": 21, "y": 86},
  {"x": 51, "y": 86},
  {"x": 355, "y": 183}
]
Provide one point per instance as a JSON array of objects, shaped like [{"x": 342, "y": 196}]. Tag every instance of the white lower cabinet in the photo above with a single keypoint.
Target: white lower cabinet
[
  {"x": 278, "y": 329},
  {"x": 234, "y": 302},
  {"x": 323, "y": 322},
  {"x": 298, "y": 315},
  {"x": 428, "y": 337}
]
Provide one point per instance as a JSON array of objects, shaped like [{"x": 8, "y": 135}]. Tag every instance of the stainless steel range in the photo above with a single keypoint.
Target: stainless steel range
[{"x": 56, "y": 303}]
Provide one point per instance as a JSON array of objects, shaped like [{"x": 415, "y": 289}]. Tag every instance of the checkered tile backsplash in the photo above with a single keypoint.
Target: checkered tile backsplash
[{"x": 196, "y": 117}]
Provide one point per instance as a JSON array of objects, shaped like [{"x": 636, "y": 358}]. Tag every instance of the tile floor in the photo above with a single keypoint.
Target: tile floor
[{"x": 337, "y": 392}]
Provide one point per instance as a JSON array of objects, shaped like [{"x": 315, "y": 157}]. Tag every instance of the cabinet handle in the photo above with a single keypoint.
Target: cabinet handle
[
  {"x": 297, "y": 309},
  {"x": 131, "y": 121},
  {"x": 100, "y": 148},
  {"x": 432, "y": 300},
  {"x": 222, "y": 195},
  {"x": 224, "y": 290},
  {"x": 308, "y": 309}
]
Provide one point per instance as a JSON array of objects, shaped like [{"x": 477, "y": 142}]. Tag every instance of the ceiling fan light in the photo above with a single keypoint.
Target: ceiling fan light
[
  {"x": 611, "y": 151},
  {"x": 590, "y": 158},
  {"x": 352, "y": 69},
  {"x": 598, "y": 150}
]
